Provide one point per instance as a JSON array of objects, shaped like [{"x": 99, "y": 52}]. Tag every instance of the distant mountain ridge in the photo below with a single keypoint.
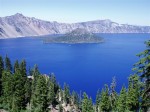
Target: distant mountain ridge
[{"x": 19, "y": 25}]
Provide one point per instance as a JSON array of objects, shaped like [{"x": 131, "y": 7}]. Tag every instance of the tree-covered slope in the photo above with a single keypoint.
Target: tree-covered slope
[{"x": 78, "y": 35}]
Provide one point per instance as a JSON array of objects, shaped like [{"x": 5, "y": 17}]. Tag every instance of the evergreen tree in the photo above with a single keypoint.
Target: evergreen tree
[
  {"x": 40, "y": 95},
  {"x": 87, "y": 104},
  {"x": 53, "y": 80},
  {"x": 66, "y": 93},
  {"x": 105, "y": 100},
  {"x": 121, "y": 103},
  {"x": 8, "y": 65},
  {"x": 98, "y": 99},
  {"x": 23, "y": 68},
  {"x": 75, "y": 99},
  {"x": 143, "y": 69},
  {"x": 28, "y": 91},
  {"x": 61, "y": 97},
  {"x": 35, "y": 74},
  {"x": 51, "y": 92},
  {"x": 16, "y": 66},
  {"x": 90, "y": 105},
  {"x": 19, "y": 92},
  {"x": 7, "y": 89},
  {"x": 113, "y": 95},
  {"x": 1, "y": 70},
  {"x": 40, "y": 91},
  {"x": 132, "y": 100}
]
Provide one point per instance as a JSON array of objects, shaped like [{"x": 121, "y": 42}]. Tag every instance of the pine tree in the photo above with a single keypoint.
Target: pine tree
[
  {"x": 98, "y": 99},
  {"x": 105, "y": 100},
  {"x": 121, "y": 103},
  {"x": 87, "y": 104},
  {"x": 133, "y": 95},
  {"x": 35, "y": 74},
  {"x": 51, "y": 92},
  {"x": 1, "y": 70},
  {"x": 75, "y": 99},
  {"x": 60, "y": 96},
  {"x": 19, "y": 92},
  {"x": 143, "y": 69},
  {"x": 113, "y": 95},
  {"x": 28, "y": 91},
  {"x": 8, "y": 65},
  {"x": 90, "y": 105},
  {"x": 7, "y": 89},
  {"x": 40, "y": 95},
  {"x": 23, "y": 68},
  {"x": 53, "y": 80},
  {"x": 16, "y": 66},
  {"x": 66, "y": 93}
]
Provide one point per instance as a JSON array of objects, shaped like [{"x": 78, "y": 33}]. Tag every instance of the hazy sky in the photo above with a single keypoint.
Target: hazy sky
[{"x": 136, "y": 12}]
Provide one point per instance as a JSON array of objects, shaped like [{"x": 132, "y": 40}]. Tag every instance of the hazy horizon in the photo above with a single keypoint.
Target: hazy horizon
[{"x": 133, "y": 12}]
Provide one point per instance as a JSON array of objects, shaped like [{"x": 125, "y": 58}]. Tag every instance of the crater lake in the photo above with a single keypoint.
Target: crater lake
[{"x": 85, "y": 67}]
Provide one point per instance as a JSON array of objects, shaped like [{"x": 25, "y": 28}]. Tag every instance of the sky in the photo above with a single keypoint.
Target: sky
[{"x": 135, "y": 12}]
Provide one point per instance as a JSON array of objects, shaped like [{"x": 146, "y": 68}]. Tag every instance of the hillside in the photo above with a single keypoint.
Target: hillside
[
  {"x": 76, "y": 36},
  {"x": 19, "y": 25}
]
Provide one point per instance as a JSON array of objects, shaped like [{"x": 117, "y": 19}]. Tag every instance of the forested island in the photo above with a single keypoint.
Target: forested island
[
  {"x": 23, "y": 90},
  {"x": 78, "y": 35}
]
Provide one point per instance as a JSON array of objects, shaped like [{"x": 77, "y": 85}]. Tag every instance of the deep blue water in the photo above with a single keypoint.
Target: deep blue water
[{"x": 84, "y": 67}]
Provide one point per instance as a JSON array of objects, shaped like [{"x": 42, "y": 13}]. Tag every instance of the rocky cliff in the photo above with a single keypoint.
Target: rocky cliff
[{"x": 19, "y": 25}]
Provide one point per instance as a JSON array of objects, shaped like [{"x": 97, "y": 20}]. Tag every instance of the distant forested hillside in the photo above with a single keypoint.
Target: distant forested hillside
[{"x": 76, "y": 36}]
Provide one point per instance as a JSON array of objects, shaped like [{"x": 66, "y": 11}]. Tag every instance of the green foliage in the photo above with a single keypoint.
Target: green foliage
[
  {"x": 133, "y": 94},
  {"x": 121, "y": 103},
  {"x": 87, "y": 104},
  {"x": 8, "y": 65},
  {"x": 40, "y": 95},
  {"x": 19, "y": 92},
  {"x": 1, "y": 70},
  {"x": 98, "y": 99},
  {"x": 75, "y": 99},
  {"x": 66, "y": 93},
  {"x": 142, "y": 67},
  {"x": 16, "y": 66},
  {"x": 105, "y": 100},
  {"x": 53, "y": 80},
  {"x": 23, "y": 68},
  {"x": 51, "y": 92},
  {"x": 35, "y": 74},
  {"x": 28, "y": 91},
  {"x": 21, "y": 86},
  {"x": 7, "y": 89},
  {"x": 113, "y": 95}
]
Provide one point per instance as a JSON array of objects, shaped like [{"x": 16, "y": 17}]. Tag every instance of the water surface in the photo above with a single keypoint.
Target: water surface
[{"x": 84, "y": 67}]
